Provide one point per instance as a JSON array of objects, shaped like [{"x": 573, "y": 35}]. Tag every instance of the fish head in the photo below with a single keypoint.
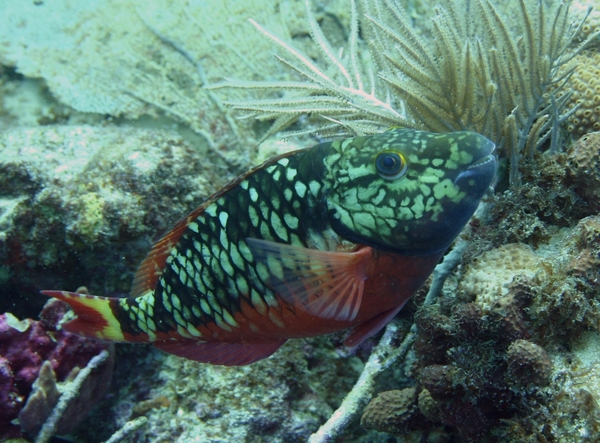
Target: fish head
[{"x": 406, "y": 191}]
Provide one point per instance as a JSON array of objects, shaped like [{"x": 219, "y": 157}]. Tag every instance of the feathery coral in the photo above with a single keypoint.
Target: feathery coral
[{"x": 494, "y": 74}]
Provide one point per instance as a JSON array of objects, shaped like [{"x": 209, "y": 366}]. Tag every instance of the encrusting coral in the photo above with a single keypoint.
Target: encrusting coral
[{"x": 394, "y": 412}]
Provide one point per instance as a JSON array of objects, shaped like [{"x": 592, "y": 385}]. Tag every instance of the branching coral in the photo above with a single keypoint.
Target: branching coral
[{"x": 494, "y": 74}]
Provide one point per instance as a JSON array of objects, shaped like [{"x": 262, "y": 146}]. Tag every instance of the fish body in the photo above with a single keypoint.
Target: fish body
[{"x": 311, "y": 242}]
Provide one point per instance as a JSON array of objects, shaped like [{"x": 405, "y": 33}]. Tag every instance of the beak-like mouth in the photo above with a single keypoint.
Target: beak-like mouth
[{"x": 482, "y": 171}]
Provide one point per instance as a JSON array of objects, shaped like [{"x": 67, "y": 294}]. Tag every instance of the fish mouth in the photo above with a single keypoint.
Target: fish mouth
[
  {"x": 482, "y": 170},
  {"x": 481, "y": 165}
]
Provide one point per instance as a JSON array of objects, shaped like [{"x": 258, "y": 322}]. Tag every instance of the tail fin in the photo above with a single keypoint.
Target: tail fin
[{"x": 95, "y": 317}]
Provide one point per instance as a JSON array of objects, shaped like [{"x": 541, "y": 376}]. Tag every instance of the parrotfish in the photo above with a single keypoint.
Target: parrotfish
[{"x": 311, "y": 242}]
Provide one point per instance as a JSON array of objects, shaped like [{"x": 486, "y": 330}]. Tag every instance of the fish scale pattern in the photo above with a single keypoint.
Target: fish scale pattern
[
  {"x": 211, "y": 271},
  {"x": 312, "y": 242}
]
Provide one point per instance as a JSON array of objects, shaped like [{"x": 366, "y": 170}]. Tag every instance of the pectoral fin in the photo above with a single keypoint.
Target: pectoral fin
[{"x": 327, "y": 284}]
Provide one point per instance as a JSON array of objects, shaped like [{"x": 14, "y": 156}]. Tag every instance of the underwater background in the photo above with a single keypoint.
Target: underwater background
[{"x": 119, "y": 118}]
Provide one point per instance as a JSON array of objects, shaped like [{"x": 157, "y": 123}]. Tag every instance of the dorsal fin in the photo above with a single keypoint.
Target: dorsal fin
[{"x": 149, "y": 271}]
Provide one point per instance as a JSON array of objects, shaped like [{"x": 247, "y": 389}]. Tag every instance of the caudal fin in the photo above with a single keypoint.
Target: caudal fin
[{"x": 95, "y": 317}]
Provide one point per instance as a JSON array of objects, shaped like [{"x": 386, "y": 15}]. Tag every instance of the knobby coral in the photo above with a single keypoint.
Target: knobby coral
[{"x": 496, "y": 74}]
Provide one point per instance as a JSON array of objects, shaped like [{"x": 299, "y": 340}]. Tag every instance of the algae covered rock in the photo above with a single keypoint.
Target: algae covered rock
[
  {"x": 284, "y": 398},
  {"x": 528, "y": 363},
  {"x": 584, "y": 166},
  {"x": 81, "y": 205}
]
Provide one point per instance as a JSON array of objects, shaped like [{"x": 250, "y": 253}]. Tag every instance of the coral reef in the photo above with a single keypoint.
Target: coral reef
[
  {"x": 35, "y": 356},
  {"x": 584, "y": 90},
  {"x": 508, "y": 351},
  {"x": 460, "y": 77},
  {"x": 583, "y": 163},
  {"x": 70, "y": 187},
  {"x": 281, "y": 399}
]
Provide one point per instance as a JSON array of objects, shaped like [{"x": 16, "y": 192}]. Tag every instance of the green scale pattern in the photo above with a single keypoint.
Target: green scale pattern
[
  {"x": 328, "y": 197},
  {"x": 211, "y": 266}
]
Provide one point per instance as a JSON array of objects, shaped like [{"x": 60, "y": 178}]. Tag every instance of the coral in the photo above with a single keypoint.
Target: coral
[
  {"x": 585, "y": 261},
  {"x": 528, "y": 363},
  {"x": 71, "y": 187},
  {"x": 592, "y": 24},
  {"x": 35, "y": 354},
  {"x": 489, "y": 275},
  {"x": 584, "y": 90},
  {"x": 427, "y": 406},
  {"x": 533, "y": 212},
  {"x": 394, "y": 412},
  {"x": 463, "y": 385},
  {"x": 11, "y": 399},
  {"x": 490, "y": 358},
  {"x": 44, "y": 396},
  {"x": 583, "y": 163},
  {"x": 447, "y": 81},
  {"x": 566, "y": 302},
  {"x": 79, "y": 202}
]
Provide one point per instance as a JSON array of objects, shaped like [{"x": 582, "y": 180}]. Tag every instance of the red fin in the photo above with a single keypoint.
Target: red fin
[
  {"x": 371, "y": 327},
  {"x": 328, "y": 284},
  {"x": 149, "y": 271},
  {"x": 227, "y": 354},
  {"x": 95, "y": 316}
]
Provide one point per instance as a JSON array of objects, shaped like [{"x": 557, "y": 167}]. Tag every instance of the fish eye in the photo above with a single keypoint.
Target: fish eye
[{"x": 391, "y": 165}]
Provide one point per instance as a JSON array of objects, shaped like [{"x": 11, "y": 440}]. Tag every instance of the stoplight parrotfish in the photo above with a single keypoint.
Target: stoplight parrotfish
[{"x": 311, "y": 242}]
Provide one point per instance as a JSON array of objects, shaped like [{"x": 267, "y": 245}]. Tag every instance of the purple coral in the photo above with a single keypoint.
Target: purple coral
[{"x": 26, "y": 345}]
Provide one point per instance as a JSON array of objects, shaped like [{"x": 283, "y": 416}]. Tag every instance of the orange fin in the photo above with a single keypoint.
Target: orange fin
[
  {"x": 327, "y": 284},
  {"x": 95, "y": 317},
  {"x": 371, "y": 327},
  {"x": 227, "y": 354},
  {"x": 148, "y": 273}
]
